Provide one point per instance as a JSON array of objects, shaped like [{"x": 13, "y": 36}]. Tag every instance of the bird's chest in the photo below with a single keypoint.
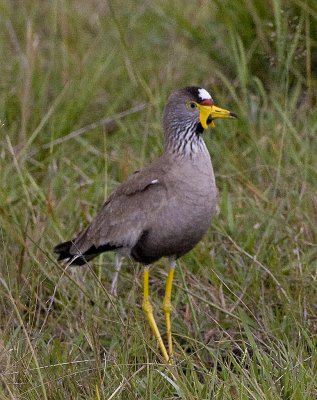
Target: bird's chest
[
  {"x": 193, "y": 189},
  {"x": 179, "y": 224},
  {"x": 192, "y": 200}
]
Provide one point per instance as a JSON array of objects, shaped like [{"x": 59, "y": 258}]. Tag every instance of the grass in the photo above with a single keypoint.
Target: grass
[{"x": 245, "y": 316}]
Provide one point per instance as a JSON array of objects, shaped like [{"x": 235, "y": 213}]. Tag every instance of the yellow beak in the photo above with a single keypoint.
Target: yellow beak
[{"x": 208, "y": 113}]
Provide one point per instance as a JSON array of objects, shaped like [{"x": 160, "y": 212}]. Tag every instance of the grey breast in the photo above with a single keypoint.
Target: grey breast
[{"x": 186, "y": 215}]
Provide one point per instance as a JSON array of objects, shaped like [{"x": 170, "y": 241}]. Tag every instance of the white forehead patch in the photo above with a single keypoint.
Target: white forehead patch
[{"x": 203, "y": 94}]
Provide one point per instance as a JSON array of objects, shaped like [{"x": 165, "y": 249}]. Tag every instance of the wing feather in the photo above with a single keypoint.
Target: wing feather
[{"x": 126, "y": 214}]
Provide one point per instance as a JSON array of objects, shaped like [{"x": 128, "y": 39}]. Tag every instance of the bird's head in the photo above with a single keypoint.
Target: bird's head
[
  {"x": 194, "y": 104},
  {"x": 191, "y": 110}
]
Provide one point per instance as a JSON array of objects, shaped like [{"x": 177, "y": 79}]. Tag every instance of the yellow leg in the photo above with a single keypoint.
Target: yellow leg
[
  {"x": 147, "y": 307},
  {"x": 167, "y": 306}
]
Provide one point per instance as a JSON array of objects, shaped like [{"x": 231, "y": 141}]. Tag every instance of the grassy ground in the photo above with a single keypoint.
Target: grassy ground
[{"x": 245, "y": 299}]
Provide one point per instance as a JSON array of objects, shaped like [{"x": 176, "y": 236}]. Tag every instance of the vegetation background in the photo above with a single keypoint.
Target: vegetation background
[{"x": 83, "y": 85}]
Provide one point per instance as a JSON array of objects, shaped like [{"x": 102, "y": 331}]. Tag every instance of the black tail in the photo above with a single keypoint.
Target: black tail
[{"x": 63, "y": 252}]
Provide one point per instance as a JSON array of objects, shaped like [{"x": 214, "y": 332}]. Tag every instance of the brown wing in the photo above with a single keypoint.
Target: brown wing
[{"x": 125, "y": 215}]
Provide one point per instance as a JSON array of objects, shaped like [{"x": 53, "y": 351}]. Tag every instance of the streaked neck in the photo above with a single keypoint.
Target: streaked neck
[{"x": 184, "y": 141}]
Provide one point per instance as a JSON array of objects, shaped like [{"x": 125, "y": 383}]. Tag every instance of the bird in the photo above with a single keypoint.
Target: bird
[{"x": 163, "y": 210}]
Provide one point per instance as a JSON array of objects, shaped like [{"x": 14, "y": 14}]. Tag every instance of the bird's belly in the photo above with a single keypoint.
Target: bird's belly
[{"x": 177, "y": 227}]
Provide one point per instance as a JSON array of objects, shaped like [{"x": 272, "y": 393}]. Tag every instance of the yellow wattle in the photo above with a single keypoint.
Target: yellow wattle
[{"x": 204, "y": 113}]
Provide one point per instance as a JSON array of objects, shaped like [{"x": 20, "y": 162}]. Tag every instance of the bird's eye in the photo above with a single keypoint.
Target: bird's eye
[{"x": 191, "y": 105}]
